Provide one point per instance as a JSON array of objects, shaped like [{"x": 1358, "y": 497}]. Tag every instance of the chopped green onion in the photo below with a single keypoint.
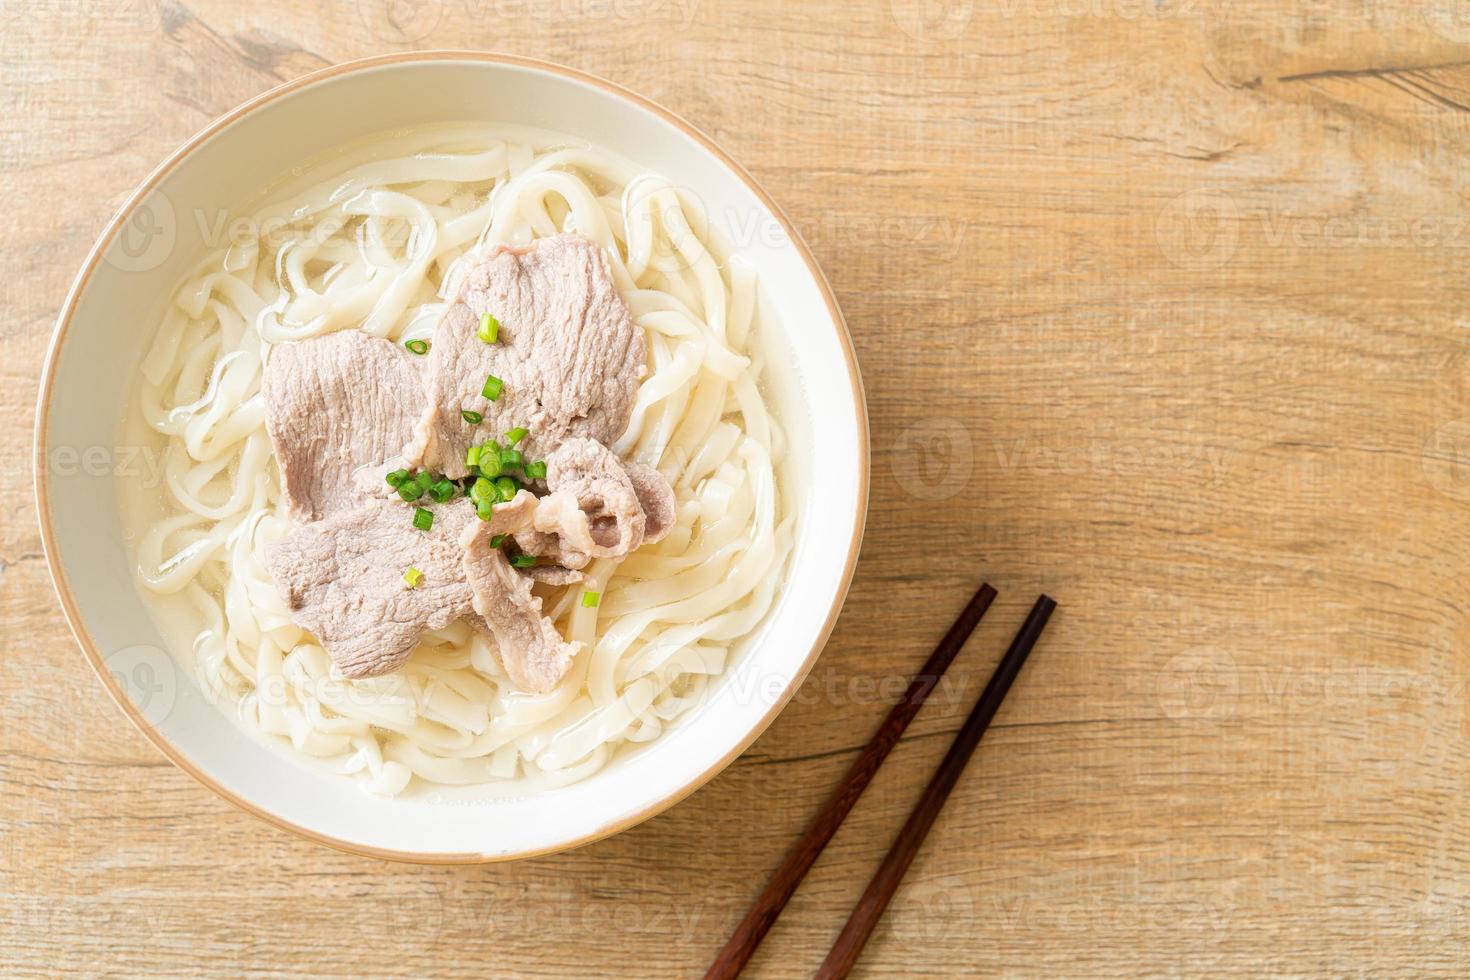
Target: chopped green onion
[
  {"x": 591, "y": 599},
  {"x": 442, "y": 491},
  {"x": 489, "y": 328},
  {"x": 523, "y": 561},
  {"x": 482, "y": 489},
  {"x": 511, "y": 457},
  {"x": 413, "y": 577},
  {"x": 506, "y": 487},
  {"x": 484, "y": 509},
  {"x": 493, "y": 386},
  {"x": 536, "y": 470},
  {"x": 497, "y": 541},
  {"x": 424, "y": 478},
  {"x": 410, "y": 490},
  {"x": 473, "y": 418},
  {"x": 419, "y": 347},
  {"x": 472, "y": 456},
  {"x": 489, "y": 461},
  {"x": 423, "y": 519},
  {"x": 515, "y": 435},
  {"x": 396, "y": 477}
]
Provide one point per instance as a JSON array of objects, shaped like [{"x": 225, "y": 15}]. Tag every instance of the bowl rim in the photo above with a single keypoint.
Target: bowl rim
[{"x": 62, "y": 585}]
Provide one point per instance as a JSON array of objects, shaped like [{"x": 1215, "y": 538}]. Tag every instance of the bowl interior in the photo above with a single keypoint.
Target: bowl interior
[{"x": 82, "y": 453}]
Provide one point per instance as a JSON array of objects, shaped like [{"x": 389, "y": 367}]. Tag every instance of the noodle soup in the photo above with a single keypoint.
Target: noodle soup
[{"x": 375, "y": 240}]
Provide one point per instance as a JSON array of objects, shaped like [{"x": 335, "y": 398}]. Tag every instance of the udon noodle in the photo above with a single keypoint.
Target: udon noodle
[{"x": 375, "y": 246}]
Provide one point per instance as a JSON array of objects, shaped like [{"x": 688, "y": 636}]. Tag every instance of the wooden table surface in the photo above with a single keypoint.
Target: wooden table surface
[{"x": 1160, "y": 309}]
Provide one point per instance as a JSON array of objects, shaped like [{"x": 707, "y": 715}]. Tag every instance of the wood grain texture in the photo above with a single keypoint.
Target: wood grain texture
[
  {"x": 765, "y": 910},
  {"x": 1160, "y": 311},
  {"x": 875, "y": 899}
]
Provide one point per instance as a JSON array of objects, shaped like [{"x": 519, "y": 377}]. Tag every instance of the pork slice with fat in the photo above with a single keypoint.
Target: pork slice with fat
[
  {"x": 656, "y": 498},
  {"x": 533, "y": 652},
  {"x": 598, "y": 507}
]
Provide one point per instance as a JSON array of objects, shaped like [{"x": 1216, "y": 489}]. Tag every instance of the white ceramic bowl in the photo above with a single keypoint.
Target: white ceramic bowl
[{"x": 117, "y": 299}]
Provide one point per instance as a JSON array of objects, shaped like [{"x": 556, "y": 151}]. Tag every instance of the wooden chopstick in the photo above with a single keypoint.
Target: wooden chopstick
[
  {"x": 752, "y": 929},
  {"x": 849, "y": 945}
]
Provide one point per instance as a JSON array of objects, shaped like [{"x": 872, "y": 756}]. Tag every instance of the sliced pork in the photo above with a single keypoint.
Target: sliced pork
[
  {"x": 656, "y": 498},
  {"x": 567, "y": 355},
  {"x": 518, "y": 514},
  {"x": 333, "y": 404},
  {"x": 518, "y": 517},
  {"x": 596, "y": 508},
  {"x": 343, "y": 580},
  {"x": 533, "y": 652},
  {"x": 552, "y": 574},
  {"x": 345, "y": 410}
]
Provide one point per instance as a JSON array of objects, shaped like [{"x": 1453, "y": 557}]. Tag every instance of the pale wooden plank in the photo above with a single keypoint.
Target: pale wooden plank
[{"x": 1089, "y": 257}]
